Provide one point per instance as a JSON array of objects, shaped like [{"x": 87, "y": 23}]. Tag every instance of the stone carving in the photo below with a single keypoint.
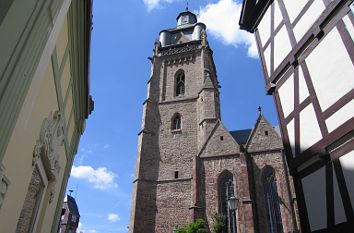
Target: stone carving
[
  {"x": 179, "y": 50},
  {"x": 52, "y": 194},
  {"x": 47, "y": 147},
  {"x": 4, "y": 184}
]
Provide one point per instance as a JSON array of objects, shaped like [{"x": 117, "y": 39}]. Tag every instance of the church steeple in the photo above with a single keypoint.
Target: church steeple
[
  {"x": 179, "y": 115},
  {"x": 186, "y": 17},
  {"x": 188, "y": 29}
]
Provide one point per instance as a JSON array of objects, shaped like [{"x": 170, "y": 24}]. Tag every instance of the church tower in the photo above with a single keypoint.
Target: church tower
[
  {"x": 181, "y": 110},
  {"x": 188, "y": 163}
]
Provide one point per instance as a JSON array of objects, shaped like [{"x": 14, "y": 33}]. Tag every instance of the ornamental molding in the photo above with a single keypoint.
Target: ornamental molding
[
  {"x": 179, "y": 50},
  {"x": 4, "y": 184},
  {"x": 47, "y": 147}
]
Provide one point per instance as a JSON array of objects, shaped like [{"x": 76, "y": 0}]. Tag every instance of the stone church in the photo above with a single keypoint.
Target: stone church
[{"x": 189, "y": 165}]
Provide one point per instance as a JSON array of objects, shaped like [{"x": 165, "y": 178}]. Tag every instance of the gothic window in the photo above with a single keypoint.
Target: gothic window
[
  {"x": 180, "y": 86},
  {"x": 226, "y": 190},
  {"x": 272, "y": 201},
  {"x": 176, "y": 122}
]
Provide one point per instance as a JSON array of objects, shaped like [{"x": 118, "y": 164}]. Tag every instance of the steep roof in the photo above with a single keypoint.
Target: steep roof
[
  {"x": 72, "y": 206},
  {"x": 241, "y": 136}
]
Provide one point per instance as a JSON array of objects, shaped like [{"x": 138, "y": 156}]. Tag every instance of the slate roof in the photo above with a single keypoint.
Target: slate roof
[
  {"x": 241, "y": 136},
  {"x": 72, "y": 206}
]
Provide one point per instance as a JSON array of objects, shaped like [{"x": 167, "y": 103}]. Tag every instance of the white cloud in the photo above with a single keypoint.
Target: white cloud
[
  {"x": 155, "y": 4},
  {"x": 81, "y": 229},
  {"x": 112, "y": 217},
  {"x": 101, "y": 178},
  {"x": 221, "y": 19},
  {"x": 106, "y": 146}
]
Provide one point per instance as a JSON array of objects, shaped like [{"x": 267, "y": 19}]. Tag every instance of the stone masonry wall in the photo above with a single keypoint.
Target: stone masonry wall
[
  {"x": 212, "y": 168},
  {"x": 275, "y": 160},
  {"x": 265, "y": 149}
]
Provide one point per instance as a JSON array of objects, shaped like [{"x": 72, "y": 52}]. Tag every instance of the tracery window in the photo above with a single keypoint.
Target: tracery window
[
  {"x": 226, "y": 190},
  {"x": 180, "y": 83},
  {"x": 272, "y": 200},
  {"x": 176, "y": 122}
]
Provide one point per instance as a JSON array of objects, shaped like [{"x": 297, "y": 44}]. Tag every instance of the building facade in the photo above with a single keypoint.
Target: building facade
[
  {"x": 307, "y": 54},
  {"x": 188, "y": 163},
  {"x": 70, "y": 217},
  {"x": 44, "y": 102}
]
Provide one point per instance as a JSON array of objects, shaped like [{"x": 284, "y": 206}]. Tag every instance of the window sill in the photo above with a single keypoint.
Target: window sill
[{"x": 176, "y": 131}]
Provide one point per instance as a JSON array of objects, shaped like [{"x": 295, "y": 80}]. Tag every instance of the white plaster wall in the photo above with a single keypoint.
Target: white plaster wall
[
  {"x": 339, "y": 213},
  {"x": 303, "y": 90},
  {"x": 314, "y": 186},
  {"x": 309, "y": 130},
  {"x": 347, "y": 162},
  {"x": 331, "y": 70},
  {"x": 267, "y": 59},
  {"x": 278, "y": 17},
  {"x": 294, "y": 7},
  {"x": 264, "y": 27},
  {"x": 307, "y": 20},
  {"x": 286, "y": 94},
  {"x": 282, "y": 46},
  {"x": 341, "y": 116},
  {"x": 291, "y": 133}
]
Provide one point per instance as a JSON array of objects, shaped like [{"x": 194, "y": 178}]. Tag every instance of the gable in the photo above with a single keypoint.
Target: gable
[
  {"x": 220, "y": 143},
  {"x": 263, "y": 137}
]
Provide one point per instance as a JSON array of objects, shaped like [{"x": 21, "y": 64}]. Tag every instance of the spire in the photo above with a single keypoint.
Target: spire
[
  {"x": 186, "y": 17},
  {"x": 260, "y": 110}
]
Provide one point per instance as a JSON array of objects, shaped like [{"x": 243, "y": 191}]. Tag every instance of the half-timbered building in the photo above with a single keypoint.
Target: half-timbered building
[{"x": 307, "y": 53}]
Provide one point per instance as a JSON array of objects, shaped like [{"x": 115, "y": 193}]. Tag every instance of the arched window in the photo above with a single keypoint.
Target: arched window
[
  {"x": 272, "y": 200},
  {"x": 176, "y": 122},
  {"x": 180, "y": 88},
  {"x": 226, "y": 190}
]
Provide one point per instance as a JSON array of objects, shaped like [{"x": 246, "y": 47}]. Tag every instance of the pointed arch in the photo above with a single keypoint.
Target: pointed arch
[
  {"x": 179, "y": 82},
  {"x": 226, "y": 190},
  {"x": 176, "y": 122},
  {"x": 272, "y": 200}
]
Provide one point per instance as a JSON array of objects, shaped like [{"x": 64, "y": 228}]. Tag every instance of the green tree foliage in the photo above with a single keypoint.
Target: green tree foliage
[
  {"x": 198, "y": 226},
  {"x": 218, "y": 223}
]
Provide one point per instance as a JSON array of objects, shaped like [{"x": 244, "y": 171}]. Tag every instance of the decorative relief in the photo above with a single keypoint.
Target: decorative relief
[
  {"x": 183, "y": 49},
  {"x": 4, "y": 184},
  {"x": 47, "y": 147},
  {"x": 52, "y": 194}
]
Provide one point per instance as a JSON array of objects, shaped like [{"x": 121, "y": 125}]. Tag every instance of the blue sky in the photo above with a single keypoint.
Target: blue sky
[{"x": 122, "y": 38}]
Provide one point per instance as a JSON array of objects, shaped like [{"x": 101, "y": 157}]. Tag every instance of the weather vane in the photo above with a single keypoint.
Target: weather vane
[
  {"x": 260, "y": 109},
  {"x": 187, "y": 6}
]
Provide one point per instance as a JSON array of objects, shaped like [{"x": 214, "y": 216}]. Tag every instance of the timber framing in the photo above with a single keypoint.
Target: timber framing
[{"x": 334, "y": 143}]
